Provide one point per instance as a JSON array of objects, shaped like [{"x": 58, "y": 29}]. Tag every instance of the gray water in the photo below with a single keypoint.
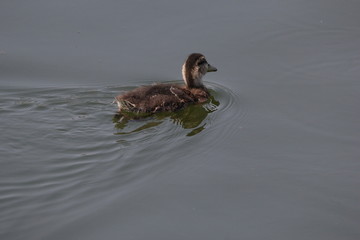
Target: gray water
[{"x": 274, "y": 155}]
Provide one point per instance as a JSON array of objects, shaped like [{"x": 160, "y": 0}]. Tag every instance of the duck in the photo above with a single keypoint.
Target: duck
[{"x": 163, "y": 97}]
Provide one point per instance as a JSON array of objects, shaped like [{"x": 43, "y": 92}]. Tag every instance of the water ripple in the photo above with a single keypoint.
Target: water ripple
[{"x": 63, "y": 148}]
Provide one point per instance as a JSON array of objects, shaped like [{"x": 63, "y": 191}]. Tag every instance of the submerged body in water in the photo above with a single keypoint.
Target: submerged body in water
[{"x": 170, "y": 97}]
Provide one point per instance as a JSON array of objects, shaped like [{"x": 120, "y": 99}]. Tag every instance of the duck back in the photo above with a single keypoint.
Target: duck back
[{"x": 157, "y": 98}]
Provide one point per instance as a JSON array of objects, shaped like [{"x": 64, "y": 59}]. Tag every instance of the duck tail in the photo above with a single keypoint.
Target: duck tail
[{"x": 124, "y": 104}]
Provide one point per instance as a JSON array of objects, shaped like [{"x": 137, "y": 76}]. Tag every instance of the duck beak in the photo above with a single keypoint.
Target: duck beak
[{"x": 211, "y": 68}]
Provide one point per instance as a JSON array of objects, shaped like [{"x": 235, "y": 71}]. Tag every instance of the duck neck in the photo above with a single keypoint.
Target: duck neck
[
  {"x": 192, "y": 79},
  {"x": 194, "y": 83}
]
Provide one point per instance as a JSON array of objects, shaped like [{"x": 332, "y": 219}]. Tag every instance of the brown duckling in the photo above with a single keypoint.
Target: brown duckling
[{"x": 170, "y": 97}]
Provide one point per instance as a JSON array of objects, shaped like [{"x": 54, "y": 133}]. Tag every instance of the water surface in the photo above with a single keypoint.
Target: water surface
[{"x": 274, "y": 155}]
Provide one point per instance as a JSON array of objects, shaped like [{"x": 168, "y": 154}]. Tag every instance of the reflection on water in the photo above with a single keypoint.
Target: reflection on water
[
  {"x": 67, "y": 149},
  {"x": 190, "y": 117}
]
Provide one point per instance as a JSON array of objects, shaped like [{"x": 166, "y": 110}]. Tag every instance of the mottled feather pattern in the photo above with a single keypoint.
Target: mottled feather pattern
[{"x": 169, "y": 97}]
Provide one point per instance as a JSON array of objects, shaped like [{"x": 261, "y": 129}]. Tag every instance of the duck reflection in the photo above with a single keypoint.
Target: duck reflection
[{"x": 190, "y": 117}]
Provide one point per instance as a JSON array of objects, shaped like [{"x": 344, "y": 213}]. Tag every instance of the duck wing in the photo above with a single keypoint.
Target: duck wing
[
  {"x": 155, "y": 98},
  {"x": 182, "y": 94}
]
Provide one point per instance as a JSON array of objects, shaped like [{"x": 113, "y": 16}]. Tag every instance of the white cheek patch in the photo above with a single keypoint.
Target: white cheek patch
[
  {"x": 197, "y": 75},
  {"x": 183, "y": 72}
]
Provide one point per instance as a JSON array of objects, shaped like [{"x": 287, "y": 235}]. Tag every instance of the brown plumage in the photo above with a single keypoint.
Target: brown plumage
[{"x": 170, "y": 97}]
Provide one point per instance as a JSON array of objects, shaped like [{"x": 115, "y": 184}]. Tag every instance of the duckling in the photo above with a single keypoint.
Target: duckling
[{"x": 170, "y": 97}]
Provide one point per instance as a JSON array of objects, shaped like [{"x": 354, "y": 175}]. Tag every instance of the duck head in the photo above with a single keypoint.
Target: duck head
[{"x": 194, "y": 68}]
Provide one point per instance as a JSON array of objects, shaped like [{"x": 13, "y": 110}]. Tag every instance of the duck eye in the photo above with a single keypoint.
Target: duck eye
[{"x": 201, "y": 62}]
